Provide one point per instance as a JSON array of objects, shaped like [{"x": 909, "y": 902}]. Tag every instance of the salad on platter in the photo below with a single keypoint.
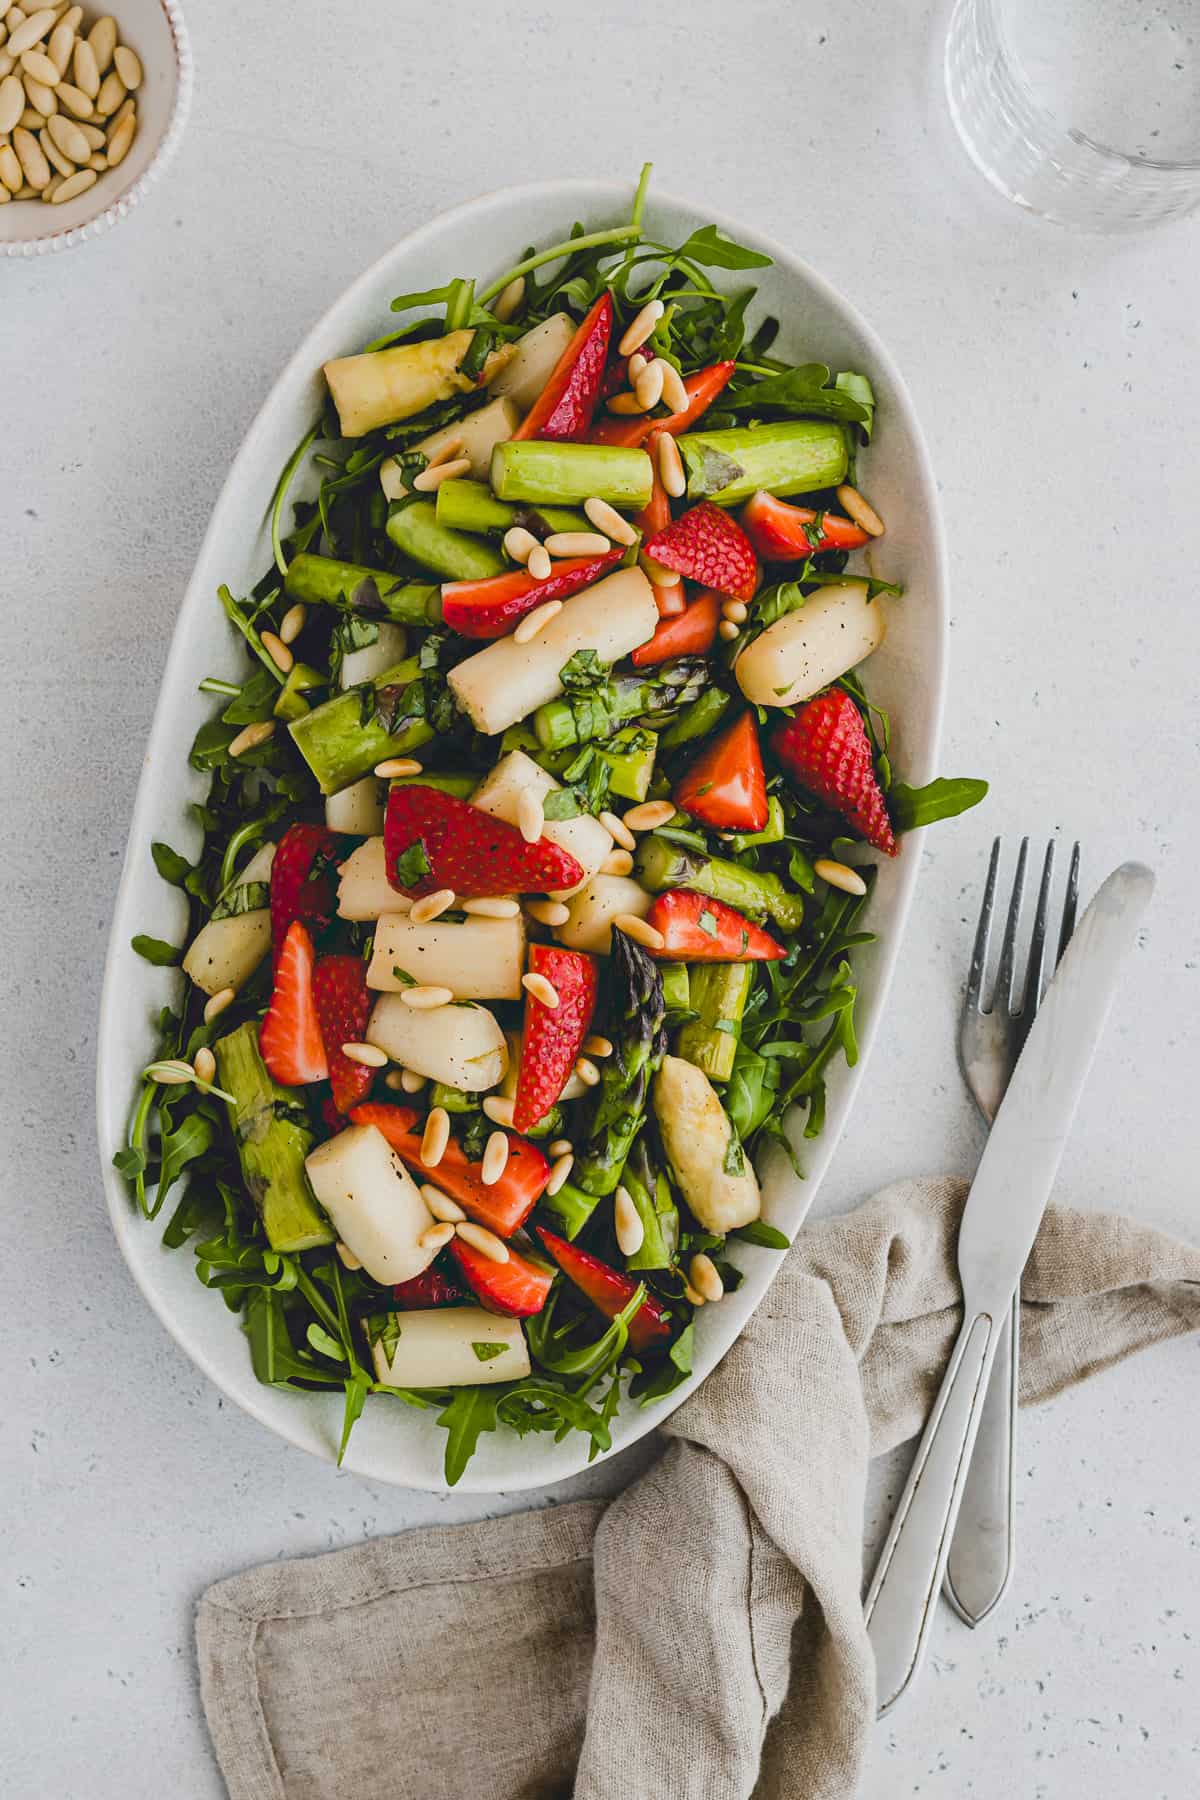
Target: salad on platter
[{"x": 541, "y": 816}]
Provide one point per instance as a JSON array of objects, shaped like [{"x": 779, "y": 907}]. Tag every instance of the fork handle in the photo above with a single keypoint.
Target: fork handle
[
  {"x": 901, "y": 1599},
  {"x": 981, "y": 1551}
]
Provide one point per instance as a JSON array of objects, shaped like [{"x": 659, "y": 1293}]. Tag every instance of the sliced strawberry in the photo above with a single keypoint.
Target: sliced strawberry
[
  {"x": 434, "y": 1286},
  {"x": 697, "y": 929},
  {"x": 609, "y": 1290},
  {"x": 490, "y": 608},
  {"x": 501, "y": 1205},
  {"x": 783, "y": 533},
  {"x": 825, "y": 749},
  {"x": 617, "y": 377},
  {"x": 654, "y": 517},
  {"x": 553, "y": 1036},
  {"x": 333, "y": 1120},
  {"x": 343, "y": 1004},
  {"x": 467, "y": 849},
  {"x": 702, "y": 389},
  {"x": 726, "y": 786},
  {"x": 563, "y": 410},
  {"x": 706, "y": 545},
  {"x": 290, "y": 1038},
  {"x": 517, "y": 1288},
  {"x": 303, "y": 880},
  {"x": 692, "y": 632}
]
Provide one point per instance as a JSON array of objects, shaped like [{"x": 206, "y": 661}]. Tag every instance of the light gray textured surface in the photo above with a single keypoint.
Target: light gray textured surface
[{"x": 1059, "y": 379}]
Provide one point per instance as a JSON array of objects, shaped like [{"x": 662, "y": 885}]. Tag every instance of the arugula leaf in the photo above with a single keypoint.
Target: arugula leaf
[
  {"x": 805, "y": 390},
  {"x": 712, "y": 250},
  {"x": 358, "y": 1386},
  {"x": 561, "y": 803},
  {"x": 944, "y": 798},
  {"x": 412, "y": 865},
  {"x": 154, "y": 950},
  {"x": 170, "y": 865},
  {"x": 471, "y": 1412},
  {"x": 676, "y": 1367},
  {"x": 130, "y": 1162},
  {"x": 759, "y": 1232},
  {"x": 860, "y": 389},
  {"x": 191, "y": 1139}
]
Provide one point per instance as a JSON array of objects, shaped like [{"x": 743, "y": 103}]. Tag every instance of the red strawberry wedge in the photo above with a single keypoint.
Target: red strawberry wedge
[
  {"x": 343, "y": 1004},
  {"x": 517, "y": 1288},
  {"x": 825, "y": 749},
  {"x": 303, "y": 880},
  {"x": 697, "y": 929},
  {"x": 783, "y": 533},
  {"x": 492, "y": 607},
  {"x": 501, "y": 1205},
  {"x": 290, "y": 1039},
  {"x": 608, "y": 1290},
  {"x": 563, "y": 410},
  {"x": 434, "y": 840},
  {"x": 434, "y": 1286},
  {"x": 553, "y": 1036},
  {"x": 706, "y": 545}
]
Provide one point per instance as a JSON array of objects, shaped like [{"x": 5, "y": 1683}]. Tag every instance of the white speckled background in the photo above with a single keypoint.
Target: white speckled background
[{"x": 1059, "y": 381}]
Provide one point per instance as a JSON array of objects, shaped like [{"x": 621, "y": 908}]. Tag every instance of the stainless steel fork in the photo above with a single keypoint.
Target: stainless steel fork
[{"x": 991, "y": 1034}]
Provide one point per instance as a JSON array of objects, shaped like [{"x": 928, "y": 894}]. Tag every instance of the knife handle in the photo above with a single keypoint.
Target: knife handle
[{"x": 901, "y": 1599}]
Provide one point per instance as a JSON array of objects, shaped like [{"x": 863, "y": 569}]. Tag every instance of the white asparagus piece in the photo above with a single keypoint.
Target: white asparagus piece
[
  {"x": 533, "y": 360},
  {"x": 437, "y": 1349},
  {"x": 593, "y": 909},
  {"x": 479, "y": 433},
  {"x": 583, "y": 837},
  {"x": 358, "y": 810},
  {"x": 225, "y": 952},
  {"x": 696, "y": 1135},
  {"x": 478, "y": 959},
  {"x": 804, "y": 651},
  {"x": 364, "y": 891},
  {"x": 373, "y": 659},
  {"x": 374, "y": 1203},
  {"x": 462, "y": 1046}
]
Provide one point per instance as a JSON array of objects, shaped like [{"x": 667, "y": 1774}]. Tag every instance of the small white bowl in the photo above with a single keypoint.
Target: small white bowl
[{"x": 156, "y": 31}]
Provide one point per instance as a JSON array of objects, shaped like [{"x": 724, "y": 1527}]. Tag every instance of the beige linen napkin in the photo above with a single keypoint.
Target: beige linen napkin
[{"x": 701, "y": 1638}]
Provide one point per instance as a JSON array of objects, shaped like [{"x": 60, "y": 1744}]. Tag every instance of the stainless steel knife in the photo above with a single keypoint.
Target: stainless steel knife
[{"x": 1000, "y": 1222}]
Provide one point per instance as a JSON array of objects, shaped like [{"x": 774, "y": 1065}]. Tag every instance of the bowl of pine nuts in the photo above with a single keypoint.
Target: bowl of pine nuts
[{"x": 92, "y": 107}]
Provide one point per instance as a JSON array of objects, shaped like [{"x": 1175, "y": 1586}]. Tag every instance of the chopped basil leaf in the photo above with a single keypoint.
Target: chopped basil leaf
[
  {"x": 485, "y": 1352},
  {"x": 707, "y": 922},
  {"x": 154, "y": 950},
  {"x": 403, "y": 976},
  {"x": 412, "y": 865}
]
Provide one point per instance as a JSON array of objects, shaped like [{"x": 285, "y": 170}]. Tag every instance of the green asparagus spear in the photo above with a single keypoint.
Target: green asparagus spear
[
  {"x": 471, "y": 506},
  {"x": 273, "y": 1140},
  {"x": 650, "y": 1191},
  {"x": 773, "y": 832},
  {"x": 461, "y": 786},
  {"x": 557, "y": 474},
  {"x": 596, "y": 712},
  {"x": 630, "y": 758},
  {"x": 719, "y": 992},
  {"x": 677, "y": 987},
  {"x": 326, "y": 581},
  {"x": 456, "y": 555},
  {"x": 343, "y": 739},
  {"x": 701, "y": 717},
  {"x": 301, "y": 679},
  {"x": 661, "y": 865},
  {"x": 793, "y": 457}
]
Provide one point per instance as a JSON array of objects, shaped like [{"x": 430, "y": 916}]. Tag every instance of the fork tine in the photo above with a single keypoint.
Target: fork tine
[
  {"x": 1035, "y": 972},
  {"x": 983, "y": 931},
  {"x": 1008, "y": 947},
  {"x": 1070, "y": 904}
]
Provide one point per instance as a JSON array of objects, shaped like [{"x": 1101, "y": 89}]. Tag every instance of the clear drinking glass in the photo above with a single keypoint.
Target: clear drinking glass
[{"x": 1086, "y": 111}]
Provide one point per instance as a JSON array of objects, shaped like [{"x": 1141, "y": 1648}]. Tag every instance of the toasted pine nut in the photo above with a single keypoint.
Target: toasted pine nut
[
  {"x": 492, "y": 906},
  {"x": 252, "y": 736},
  {"x": 498, "y": 1110},
  {"x": 29, "y": 154},
  {"x": 128, "y": 65},
  {"x": 607, "y": 519},
  {"x": 703, "y": 1275},
  {"x": 577, "y": 543},
  {"x": 728, "y": 630},
  {"x": 72, "y": 16},
  {"x": 541, "y": 989},
  {"x": 103, "y": 39},
  {"x": 216, "y": 1003},
  {"x": 40, "y": 97},
  {"x": 618, "y": 830},
  {"x": 369, "y": 1055},
  {"x": 277, "y": 650},
  {"x": 76, "y": 102},
  {"x": 59, "y": 48},
  {"x": 675, "y": 395},
  {"x": 292, "y": 623},
  {"x": 395, "y": 766},
  {"x": 598, "y": 1046},
  {"x": 560, "y": 1147},
  {"x": 631, "y": 1232},
  {"x": 53, "y": 154},
  {"x": 205, "y": 1064},
  {"x": 839, "y": 875},
  {"x": 860, "y": 510},
  {"x": 617, "y": 862},
  {"x": 347, "y": 1257},
  {"x": 670, "y": 465},
  {"x": 51, "y": 188},
  {"x": 509, "y": 299},
  {"x": 173, "y": 1073},
  {"x": 38, "y": 64},
  {"x": 519, "y": 543},
  {"x": 27, "y": 31},
  {"x": 435, "y": 1136},
  {"x": 432, "y": 906},
  {"x": 531, "y": 815},
  {"x": 426, "y": 999},
  {"x": 87, "y": 71},
  {"x": 690, "y": 1293},
  {"x": 587, "y": 1071},
  {"x": 495, "y": 1158},
  {"x": 32, "y": 120},
  {"x": 445, "y": 452},
  {"x": 483, "y": 1240},
  {"x": 626, "y": 404},
  {"x": 639, "y": 931},
  {"x": 548, "y": 912},
  {"x": 537, "y": 621},
  {"x": 69, "y": 138},
  {"x": 430, "y": 479},
  {"x": 12, "y": 103},
  {"x": 650, "y": 815},
  {"x": 92, "y": 133},
  {"x": 411, "y": 1082},
  {"x": 112, "y": 92},
  {"x": 126, "y": 110},
  {"x": 560, "y": 1170},
  {"x": 119, "y": 139},
  {"x": 658, "y": 574},
  {"x": 441, "y": 1205},
  {"x": 435, "y": 1237},
  {"x": 637, "y": 362},
  {"x": 538, "y": 563},
  {"x": 394, "y": 1079},
  {"x": 649, "y": 385},
  {"x": 735, "y": 610},
  {"x": 640, "y": 327}
]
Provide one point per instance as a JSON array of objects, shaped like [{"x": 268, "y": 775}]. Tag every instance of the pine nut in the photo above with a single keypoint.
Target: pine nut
[
  {"x": 73, "y": 16},
  {"x": 92, "y": 133},
  {"x": 560, "y": 1147},
  {"x": 498, "y": 1110},
  {"x": 727, "y": 630},
  {"x": 690, "y": 1293},
  {"x": 860, "y": 510},
  {"x": 12, "y": 102},
  {"x": 430, "y": 479},
  {"x": 28, "y": 31},
  {"x": 587, "y": 1071},
  {"x": 492, "y": 906},
  {"x": 617, "y": 862},
  {"x": 548, "y": 912},
  {"x": 631, "y": 1233},
  {"x": 369, "y": 1055},
  {"x": 97, "y": 162},
  {"x": 649, "y": 385},
  {"x": 443, "y": 1208},
  {"x": 69, "y": 138},
  {"x": 637, "y": 362},
  {"x": 538, "y": 563},
  {"x": 394, "y": 1079},
  {"x": 14, "y": 16},
  {"x": 519, "y": 543},
  {"x": 275, "y": 647},
  {"x": 30, "y": 157},
  {"x": 670, "y": 465},
  {"x": 676, "y": 398},
  {"x": 640, "y": 327},
  {"x": 658, "y": 574},
  {"x": 736, "y": 611},
  {"x": 436, "y": 1237},
  {"x": 531, "y": 815},
  {"x": 650, "y": 815},
  {"x": 38, "y": 64},
  {"x": 87, "y": 71},
  {"x": 173, "y": 1073},
  {"x": 626, "y": 404},
  {"x": 607, "y": 519},
  {"x": 432, "y": 906},
  {"x": 5, "y": 196},
  {"x": 577, "y": 543},
  {"x": 128, "y": 66},
  {"x": 541, "y": 989},
  {"x": 216, "y": 1004},
  {"x": 292, "y": 623},
  {"x": 495, "y": 1158},
  {"x": 435, "y": 1136},
  {"x": 32, "y": 120},
  {"x": 483, "y": 1240},
  {"x": 347, "y": 1257},
  {"x": 639, "y": 931},
  {"x": 559, "y": 1171},
  {"x": 598, "y": 1046},
  {"x": 426, "y": 999},
  {"x": 126, "y": 110},
  {"x": 205, "y": 1065},
  {"x": 51, "y": 188},
  {"x": 509, "y": 299},
  {"x": 253, "y": 735},
  {"x": 103, "y": 40},
  {"x": 75, "y": 101},
  {"x": 58, "y": 50},
  {"x": 7, "y": 64},
  {"x": 537, "y": 621},
  {"x": 618, "y": 830},
  {"x": 119, "y": 139},
  {"x": 53, "y": 154},
  {"x": 40, "y": 97},
  {"x": 395, "y": 766},
  {"x": 411, "y": 1082},
  {"x": 838, "y": 875},
  {"x": 704, "y": 1277},
  {"x": 112, "y": 92}
]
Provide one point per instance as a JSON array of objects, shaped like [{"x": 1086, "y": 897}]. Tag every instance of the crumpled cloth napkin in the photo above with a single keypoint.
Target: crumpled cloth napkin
[{"x": 701, "y": 1637}]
